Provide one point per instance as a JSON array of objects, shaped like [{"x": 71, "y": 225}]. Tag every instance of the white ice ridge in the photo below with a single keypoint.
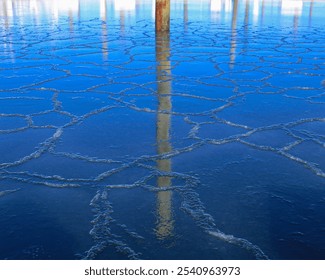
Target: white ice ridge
[
  {"x": 3, "y": 193},
  {"x": 193, "y": 206},
  {"x": 101, "y": 231},
  {"x": 240, "y": 242}
]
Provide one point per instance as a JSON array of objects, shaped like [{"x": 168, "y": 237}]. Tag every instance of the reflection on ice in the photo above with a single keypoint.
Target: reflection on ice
[
  {"x": 233, "y": 34},
  {"x": 104, "y": 18},
  {"x": 256, "y": 9},
  {"x": 291, "y": 7},
  {"x": 103, "y": 9},
  {"x": 199, "y": 138},
  {"x": 221, "y": 5},
  {"x": 22, "y": 10},
  {"x": 124, "y": 5},
  {"x": 164, "y": 198}
]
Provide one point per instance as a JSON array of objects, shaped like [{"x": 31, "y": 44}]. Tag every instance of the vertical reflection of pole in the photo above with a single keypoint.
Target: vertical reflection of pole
[
  {"x": 233, "y": 42},
  {"x": 5, "y": 11},
  {"x": 70, "y": 20},
  {"x": 246, "y": 24},
  {"x": 70, "y": 15},
  {"x": 122, "y": 21},
  {"x": 103, "y": 12},
  {"x": 185, "y": 14},
  {"x": 137, "y": 9},
  {"x": 310, "y": 12},
  {"x": 33, "y": 6},
  {"x": 164, "y": 198},
  {"x": 162, "y": 14},
  {"x": 295, "y": 21},
  {"x": 246, "y": 21},
  {"x": 79, "y": 10},
  {"x": 14, "y": 10},
  {"x": 263, "y": 12}
]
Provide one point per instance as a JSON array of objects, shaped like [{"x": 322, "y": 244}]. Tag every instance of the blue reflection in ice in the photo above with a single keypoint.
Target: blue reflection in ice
[{"x": 203, "y": 143}]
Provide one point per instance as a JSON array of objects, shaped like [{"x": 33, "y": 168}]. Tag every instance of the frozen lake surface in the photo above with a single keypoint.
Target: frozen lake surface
[{"x": 207, "y": 142}]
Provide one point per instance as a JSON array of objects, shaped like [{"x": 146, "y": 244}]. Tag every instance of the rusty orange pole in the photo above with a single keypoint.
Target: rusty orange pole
[{"x": 162, "y": 15}]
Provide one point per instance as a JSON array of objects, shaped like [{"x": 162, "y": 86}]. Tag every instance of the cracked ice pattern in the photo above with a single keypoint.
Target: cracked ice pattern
[{"x": 167, "y": 135}]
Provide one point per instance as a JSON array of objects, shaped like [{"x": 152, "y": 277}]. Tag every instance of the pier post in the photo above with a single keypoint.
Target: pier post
[{"x": 162, "y": 15}]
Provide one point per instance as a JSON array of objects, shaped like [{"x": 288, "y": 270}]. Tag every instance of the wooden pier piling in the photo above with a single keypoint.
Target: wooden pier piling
[{"x": 162, "y": 15}]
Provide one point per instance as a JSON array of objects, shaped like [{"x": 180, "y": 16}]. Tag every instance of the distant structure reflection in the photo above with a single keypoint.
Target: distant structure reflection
[
  {"x": 103, "y": 16},
  {"x": 221, "y": 5},
  {"x": 233, "y": 42},
  {"x": 291, "y": 7},
  {"x": 246, "y": 21},
  {"x": 21, "y": 10},
  {"x": 311, "y": 12},
  {"x": 185, "y": 11},
  {"x": 124, "y": 5}
]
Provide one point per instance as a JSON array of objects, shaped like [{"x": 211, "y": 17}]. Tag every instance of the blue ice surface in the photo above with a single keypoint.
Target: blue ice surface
[{"x": 205, "y": 142}]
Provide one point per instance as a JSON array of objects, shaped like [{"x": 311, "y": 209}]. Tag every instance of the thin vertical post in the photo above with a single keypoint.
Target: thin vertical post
[{"x": 162, "y": 15}]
